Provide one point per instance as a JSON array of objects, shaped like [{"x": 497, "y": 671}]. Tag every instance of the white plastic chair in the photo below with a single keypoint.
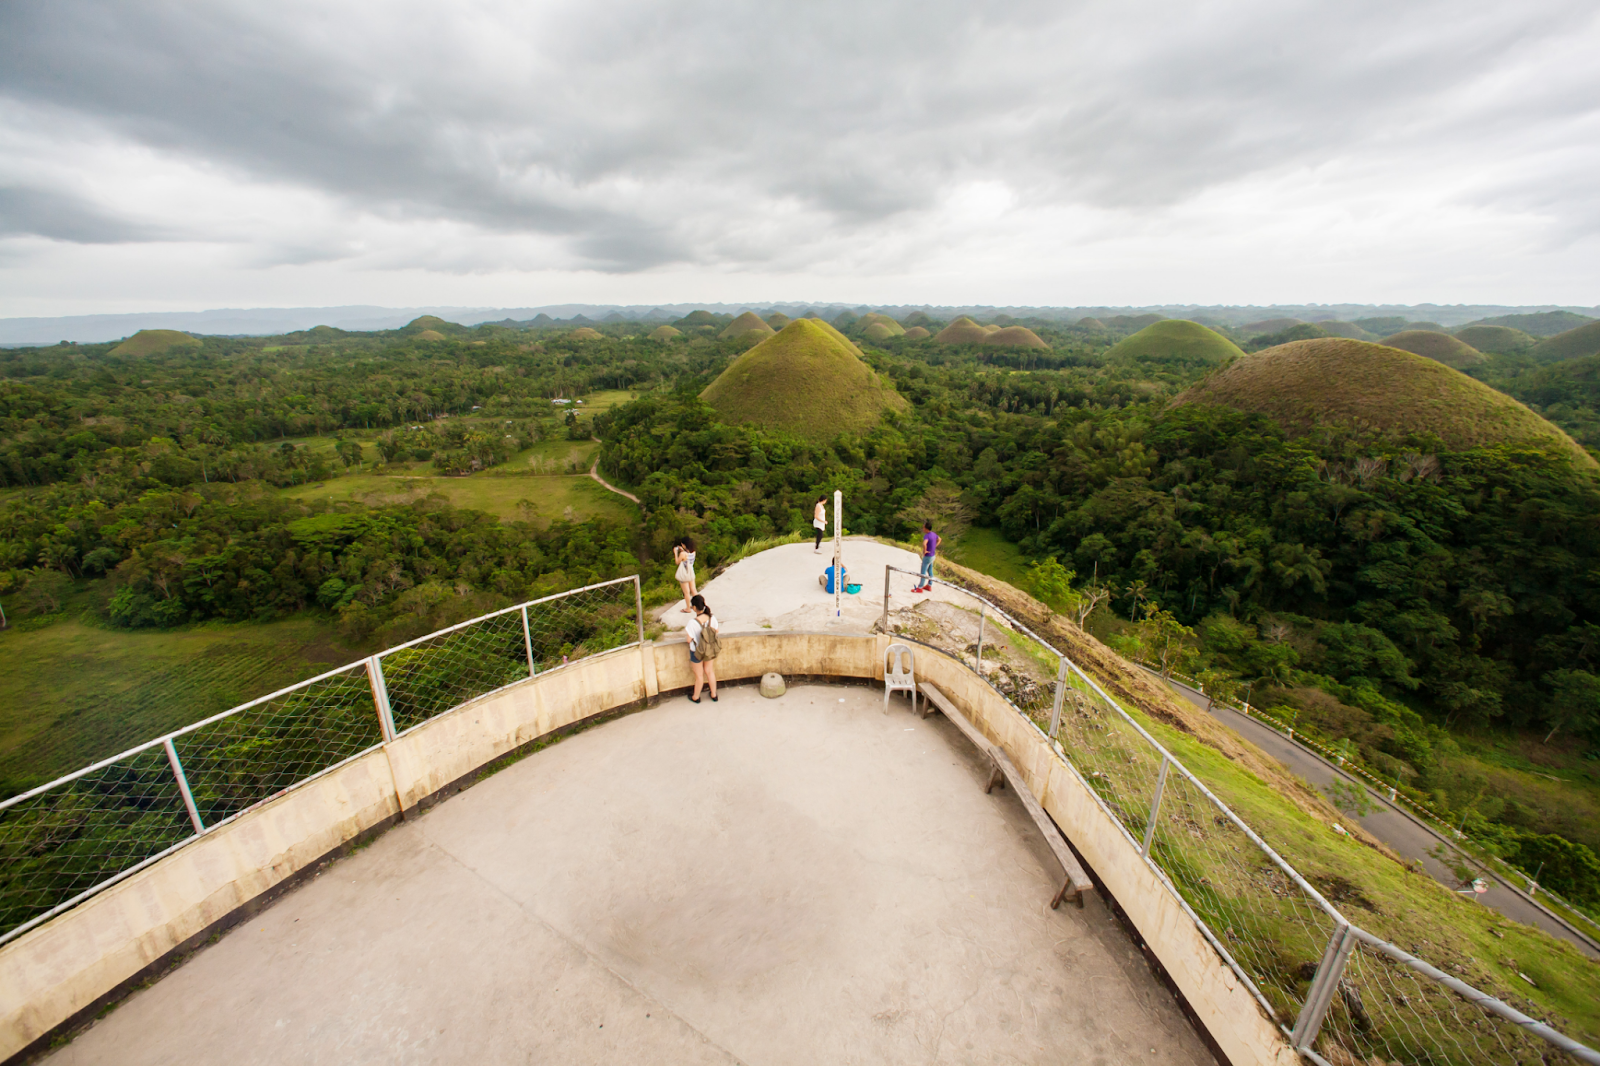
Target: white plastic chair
[{"x": 899, "y": 673}]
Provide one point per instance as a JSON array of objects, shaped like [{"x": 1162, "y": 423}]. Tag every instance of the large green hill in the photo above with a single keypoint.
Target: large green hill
[
  {"x": 1334, "y": 381},
  {"x": 1573, "y": 344},
  {"x": 1014, "y": 337},
  {"x": 1496, "y": 340},
  {"x": 1176, "y": 340},
  {"x": 154, "y": 341},
  {"x": 748, "y": 326},
  {"x": 1450, "y": 351},
  {"x": 962, "y": 331},
  {"x": 808, "y": 380},
  {"x": 1543, "y": 324}
]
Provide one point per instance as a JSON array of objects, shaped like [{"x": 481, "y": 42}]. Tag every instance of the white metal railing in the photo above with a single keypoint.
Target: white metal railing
[
  {"x": 1253, "y": 911},
  {"x": 64, "y": 841}
]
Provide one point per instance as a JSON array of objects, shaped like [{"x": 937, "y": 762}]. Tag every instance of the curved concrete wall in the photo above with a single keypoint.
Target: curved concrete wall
[{"x": 56, "y": 972}]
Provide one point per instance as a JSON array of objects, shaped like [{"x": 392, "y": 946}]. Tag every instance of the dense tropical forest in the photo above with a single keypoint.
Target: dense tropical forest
[{"x": 1435, "y": 607}]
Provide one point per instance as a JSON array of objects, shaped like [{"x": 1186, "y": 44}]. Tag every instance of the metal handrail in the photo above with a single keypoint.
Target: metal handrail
[{"x": 1329, "y": 972}]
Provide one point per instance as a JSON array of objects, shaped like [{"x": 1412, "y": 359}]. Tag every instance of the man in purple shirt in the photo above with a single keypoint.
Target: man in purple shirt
[{"x": 930, "y": 544}]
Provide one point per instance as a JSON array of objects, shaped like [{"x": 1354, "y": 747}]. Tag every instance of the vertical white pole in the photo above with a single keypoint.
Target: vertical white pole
[{"x": 838, "y": 551}]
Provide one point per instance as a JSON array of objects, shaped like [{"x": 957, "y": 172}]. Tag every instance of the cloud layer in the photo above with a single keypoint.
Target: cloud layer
[{"x": 174, "y": 155}]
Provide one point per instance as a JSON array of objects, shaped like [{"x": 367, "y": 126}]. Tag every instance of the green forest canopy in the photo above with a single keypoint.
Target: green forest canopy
[{"x": 1419, "y": 577}]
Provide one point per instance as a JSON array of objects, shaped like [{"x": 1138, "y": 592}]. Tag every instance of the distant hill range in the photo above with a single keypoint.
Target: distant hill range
[{"x": 1242, "y": 322}]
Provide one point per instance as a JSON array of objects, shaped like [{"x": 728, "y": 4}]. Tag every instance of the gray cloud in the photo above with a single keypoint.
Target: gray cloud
[
  {"x": 740, "y": 135},
  {"x": 60, "y": 216}
]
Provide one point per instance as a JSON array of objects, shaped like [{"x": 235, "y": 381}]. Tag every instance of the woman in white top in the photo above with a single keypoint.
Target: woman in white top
[
  {"x": 705, "y": 669},
  {"x": 819, "y": 520},
  {"x": 683, "y": 554}
]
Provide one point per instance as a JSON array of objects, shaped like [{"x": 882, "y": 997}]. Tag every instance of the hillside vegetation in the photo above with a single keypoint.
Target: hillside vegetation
[
  {"x": 1442, "y": 347},
  {"x": 1014, "y": 337},
  {"x": 1340, "y": 382},
  {"x": 962, "y": 331},
  {"x": 1176, "y": 340},
  {"x": 1495, "y": 340},
  {"x": 154, "y": 341},
  {"x": 1543, "y": 324},
  {"x": 1573, "y": 344},
  {"x": 808, "y": 380},
  {"x": 747, "y": 326}
]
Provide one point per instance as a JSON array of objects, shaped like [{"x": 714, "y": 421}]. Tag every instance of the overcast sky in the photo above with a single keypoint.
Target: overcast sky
[{"x": 169, "y": 156}]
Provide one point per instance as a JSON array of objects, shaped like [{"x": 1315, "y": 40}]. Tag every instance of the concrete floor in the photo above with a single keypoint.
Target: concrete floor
[
  {"x": 803, "y": 880},
  {"x": 778, "y": 589}
]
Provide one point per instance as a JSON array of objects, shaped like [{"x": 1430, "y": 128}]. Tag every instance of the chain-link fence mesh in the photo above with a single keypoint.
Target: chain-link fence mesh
[
  {"x": 77, "y": 834},
  {"x": 1384, "y": 1011},
  {"x": 254, "y": 754},
  {"x": 1274, "y": 930},
  {"x": 1271, "y": 928},
  {"x": 444, "y": 670},
  {"x": 82, "y": 832}
]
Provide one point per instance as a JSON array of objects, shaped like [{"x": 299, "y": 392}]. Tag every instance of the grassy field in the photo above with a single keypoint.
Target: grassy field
[
  {"x": 989, "y": 552},
  {"x": 542, "y": 499},
  {"x": 1339, "y": 381},
  {"x": 73, "y": 693},
  {"x": 808, "y": 379}
]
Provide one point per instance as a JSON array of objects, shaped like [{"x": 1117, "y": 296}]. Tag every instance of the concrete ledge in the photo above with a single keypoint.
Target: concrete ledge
[{"x": 66, "y": 967}]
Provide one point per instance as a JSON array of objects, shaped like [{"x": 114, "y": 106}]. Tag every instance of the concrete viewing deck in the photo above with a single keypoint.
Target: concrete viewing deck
[{"x": 802, "y": 880}]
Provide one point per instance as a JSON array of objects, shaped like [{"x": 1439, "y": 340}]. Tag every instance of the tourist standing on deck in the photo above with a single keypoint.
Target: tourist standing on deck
[
  {"x": 819, "y": 520},
  {"x": 930, "y": 545},
  {"x": 704, "y": 646},
  {"x": 683, "y": 554}
]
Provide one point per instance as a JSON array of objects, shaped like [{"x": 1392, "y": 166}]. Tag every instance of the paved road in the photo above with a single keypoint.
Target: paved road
[{"x": 1408, "y": 837}]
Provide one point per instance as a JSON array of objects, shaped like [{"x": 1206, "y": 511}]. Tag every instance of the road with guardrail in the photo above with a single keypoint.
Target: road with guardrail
[{"x": 1410, "y": 837}]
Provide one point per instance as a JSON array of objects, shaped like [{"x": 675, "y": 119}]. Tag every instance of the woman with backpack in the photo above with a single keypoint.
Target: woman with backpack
[{"x": 704, "y": 646}]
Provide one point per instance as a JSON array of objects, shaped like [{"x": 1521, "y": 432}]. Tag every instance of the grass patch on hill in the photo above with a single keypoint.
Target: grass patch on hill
[
  {"x": 808, "y": 380},
  {"x": 1573, "y": 344},
  {"x": 1543, "y": 324},
  {"x": 1014, "y": 337},
  {"x": 1176, "y": 341},
  {"x": 988, "y": 552},
  {"x": 154, "y": 341},
  {"x": 1334, "y": 381},
  {"x": 1451, "y": 351},
  {"x": 962, "y": 331},
  {"x": 539, "y": 499},
  {"x": 73, "y": 693},
  {"x": 1495, "y": 340}
]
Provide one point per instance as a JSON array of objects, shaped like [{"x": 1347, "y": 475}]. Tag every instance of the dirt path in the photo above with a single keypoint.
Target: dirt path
[{"x": 594, "y": 472}]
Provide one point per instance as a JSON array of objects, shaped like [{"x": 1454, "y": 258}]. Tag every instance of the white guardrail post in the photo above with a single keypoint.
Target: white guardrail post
[
  {"x": 1330, "y": 971},
  {"x": 527, "y": 641},
  {"x": 1155, "y": 808},
  {"x": 183, "y": 786},
  {"x": 638, "y": 610},
  {"x": 1061, "y": 697},
  {"x": 380, "y": 697}
]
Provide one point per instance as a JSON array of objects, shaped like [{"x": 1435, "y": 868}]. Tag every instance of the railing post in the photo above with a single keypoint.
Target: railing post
[
  {"x": 380, "y": 697},
  {"x": 983, "y": 615},
  {"x": 527, "y": 641},
  {"x": 1155, "y": 808},
  {"x": 638, "y": 609},
  {"x": 1330, "y": 971},
  {"x": 885, "y": 624},
  {"x": 1061, "y": 695},
  {"x": 183, "y": 786}
]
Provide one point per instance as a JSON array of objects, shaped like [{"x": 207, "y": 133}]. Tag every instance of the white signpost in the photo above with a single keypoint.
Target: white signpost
[{"x": 838, "y": 552}]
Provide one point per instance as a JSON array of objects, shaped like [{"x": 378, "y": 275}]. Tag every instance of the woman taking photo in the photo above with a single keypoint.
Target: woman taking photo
[
  {"x": 704, "y": 646},
  {"x": 819, "y": 521},
  {"x": 683, "y": 554}
]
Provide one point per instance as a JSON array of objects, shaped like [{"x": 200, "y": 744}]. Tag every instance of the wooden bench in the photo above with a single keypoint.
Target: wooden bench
[{"x": 1004, "y": 771}]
